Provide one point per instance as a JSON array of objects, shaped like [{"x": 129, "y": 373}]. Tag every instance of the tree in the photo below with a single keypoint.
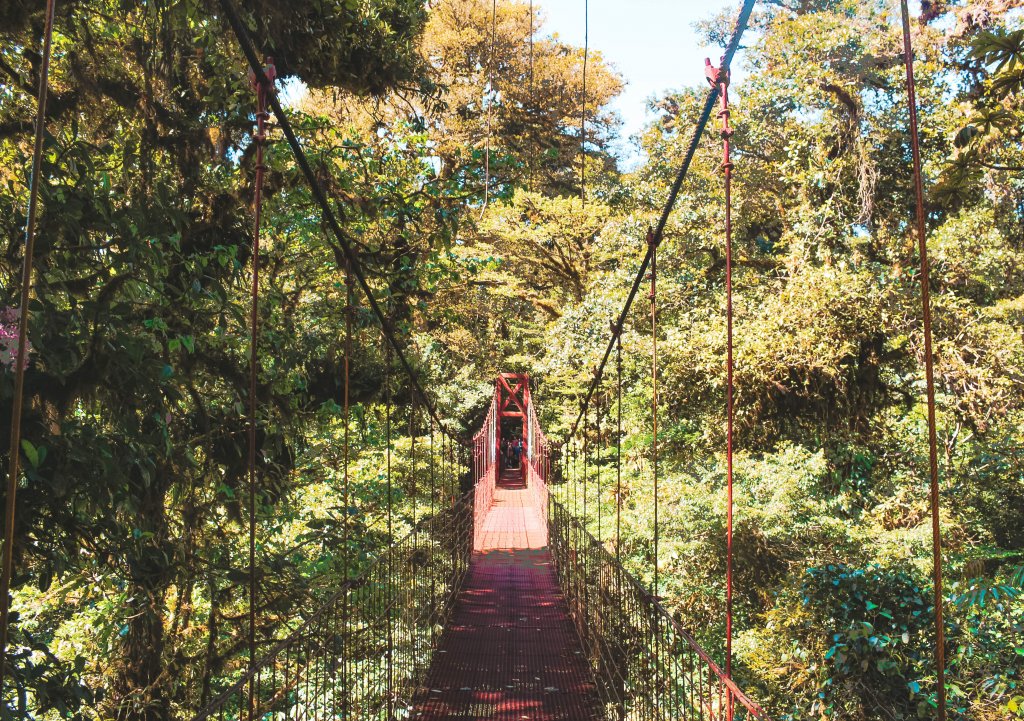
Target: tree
[
  {"x": 529, "y": 111},
  {"x": 136, "y": 387}
]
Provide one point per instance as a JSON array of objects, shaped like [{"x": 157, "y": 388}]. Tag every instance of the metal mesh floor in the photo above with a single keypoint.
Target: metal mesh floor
[{"x": 511, "y": 652}]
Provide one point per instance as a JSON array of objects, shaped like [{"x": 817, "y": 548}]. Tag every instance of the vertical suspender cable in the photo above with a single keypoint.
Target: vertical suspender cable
[
  {"x": 329, "y": 213},
  {"x": 618, "y": 444},
  {"x": 583, "y": 111},
  {"x": 444, "y": 462},
  {"x": 406, "y": 592},
  {"x": 349, "y": 300},
  {"x": 22, "y": 360},
  {"x": 933, "y": 454},
  {"x": 389, "y": 661},
  {"x": 719, "y": 78},
  {"x": 490, "y": 103},
  {"x": 533, "y": 105},
  {"x": 586, "y": 471},
  {"x": 618, "y": 477},
  {"x": 597, "y": 463},
  {"x": 262, "y": 88},
  {"x": 412, "y": 462},
  {"x": 579, "y": 475},
  {"x": 653, "y": 244},
  {"x": 746, "y": 9},
  {"x": 432, "y": 467},
  {"x": 578, "y": 463},
  {"x": 433, "y": 526},
  {"x": 651, "y": 241}
]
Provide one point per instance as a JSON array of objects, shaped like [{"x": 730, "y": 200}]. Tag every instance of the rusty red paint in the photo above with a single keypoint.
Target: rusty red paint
[{"x": 511, "y": 651}]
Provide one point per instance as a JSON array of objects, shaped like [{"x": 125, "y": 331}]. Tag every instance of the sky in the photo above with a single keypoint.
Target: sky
[{"x": 651, "y": 43}]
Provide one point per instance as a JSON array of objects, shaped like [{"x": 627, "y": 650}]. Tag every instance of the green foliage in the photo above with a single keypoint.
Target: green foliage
[
  {"x": 831, "y": 466},
  {"x": 132, "y": 528},
  {"x": 880, "y": 644}
]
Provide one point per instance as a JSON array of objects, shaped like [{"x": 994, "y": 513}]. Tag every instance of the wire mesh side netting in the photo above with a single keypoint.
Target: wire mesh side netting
[
  {"x": 363, "y": 653},
  {"x": 647, "y": 667}
]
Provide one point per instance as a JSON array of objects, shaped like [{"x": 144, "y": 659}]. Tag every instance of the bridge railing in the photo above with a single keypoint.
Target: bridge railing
[
  {"x": 361, "y": 655},
  {"x": 647, "y": 667},
  {"x": 538, "y": 455},
  {"x": 485, "y": 469}
]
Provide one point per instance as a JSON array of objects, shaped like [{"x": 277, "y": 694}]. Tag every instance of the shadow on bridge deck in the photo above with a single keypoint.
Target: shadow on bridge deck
[{"x": 511, "y": 651}]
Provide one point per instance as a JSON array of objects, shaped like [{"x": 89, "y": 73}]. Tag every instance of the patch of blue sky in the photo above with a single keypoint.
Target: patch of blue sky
[{"x": 653, "y": 44}]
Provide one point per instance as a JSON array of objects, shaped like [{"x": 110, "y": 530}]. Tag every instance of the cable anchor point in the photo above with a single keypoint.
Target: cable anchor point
[
  {"x": 716, "y": 76},
  {"x": 269, "y": 75},
  {"x": 262, "y": 87}
]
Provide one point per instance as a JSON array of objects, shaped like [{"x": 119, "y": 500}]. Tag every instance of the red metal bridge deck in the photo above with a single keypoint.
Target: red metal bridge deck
[{"x": 511, "y": 651}]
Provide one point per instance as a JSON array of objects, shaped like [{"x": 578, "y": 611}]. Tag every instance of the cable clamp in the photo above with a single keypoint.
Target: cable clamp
[
  {"x": 269, "y": 73},
  {"x": 716, "y": 76}
]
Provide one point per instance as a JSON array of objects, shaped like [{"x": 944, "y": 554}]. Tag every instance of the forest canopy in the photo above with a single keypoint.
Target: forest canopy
[{"x": 496, "y": 237}]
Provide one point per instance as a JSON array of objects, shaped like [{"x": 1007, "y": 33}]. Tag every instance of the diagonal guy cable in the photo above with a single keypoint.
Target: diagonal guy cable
[
  {"x": 320, "y": 196},
  {"x": 698, "y": 132}
]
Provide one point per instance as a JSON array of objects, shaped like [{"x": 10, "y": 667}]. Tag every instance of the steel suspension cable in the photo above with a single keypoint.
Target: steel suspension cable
[
  {"x": 412, "y": 464},
  {"x": 533, "y": 96},
  {"x": 583, "y": 111},
  {"x": 490, "y": 102},
  {"x": 618, "y": 446},
  {"x": 575, "y": 476},
  {"x": 263, "y": 87},
  {"x": 389, "y": 661},
  {"x": 444, "y": 464},
  {"x": 21, "y": 361},
  {"x": 349, "y": 309},
  {"x": 330, "y": 216},
  {"x": 433, "y": 460},
  {"x": 933, "y": 454},
  {"x": 652, "y": 243},
  {"x": 433, "y": 488},
  {"x": 450, "y": 477},
  {"x": 597, "y": 464},
  {"x": 719, "y": 77},
  {"x": 571, "y": 475},
  {"x": 586, "y": 470},
  {"x": 659, "y": 229}
]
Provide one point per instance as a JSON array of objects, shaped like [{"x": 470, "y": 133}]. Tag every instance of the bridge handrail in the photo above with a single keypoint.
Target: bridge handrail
[
  {"x": 755, "y": 710},
  {"x": 297, "y": 635}
]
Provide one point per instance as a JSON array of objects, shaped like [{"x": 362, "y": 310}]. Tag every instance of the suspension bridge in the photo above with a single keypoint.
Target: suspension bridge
[
  {"x": 500, "y": 606},
  {"x": 500, "y": 603}
]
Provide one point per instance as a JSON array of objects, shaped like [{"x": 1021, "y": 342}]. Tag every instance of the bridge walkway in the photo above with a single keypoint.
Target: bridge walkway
[{"x": 511, "y": 651}]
